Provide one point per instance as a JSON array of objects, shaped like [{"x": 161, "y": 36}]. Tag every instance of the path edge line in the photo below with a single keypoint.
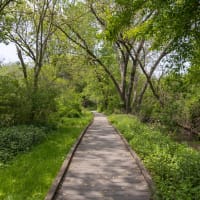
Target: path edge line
[
  {"x": 139, "y": 163},
  {"x": 65, "y": 166}
]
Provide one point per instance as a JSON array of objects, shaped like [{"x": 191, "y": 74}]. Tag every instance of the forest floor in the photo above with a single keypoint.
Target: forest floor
[{"x": 103, "y": 168}]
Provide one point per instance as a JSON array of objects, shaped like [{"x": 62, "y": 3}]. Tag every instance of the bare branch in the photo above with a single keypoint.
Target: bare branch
[
  {"x": 148, "y": 76},
  {"x": 100, "y": 20}
]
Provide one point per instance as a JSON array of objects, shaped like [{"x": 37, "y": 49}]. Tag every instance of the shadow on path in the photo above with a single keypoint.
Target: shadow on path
[{"x": 102, "y": 168}]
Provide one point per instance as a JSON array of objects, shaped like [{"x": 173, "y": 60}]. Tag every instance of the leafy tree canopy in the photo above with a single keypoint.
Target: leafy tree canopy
[{"x": 161, "y": 21}]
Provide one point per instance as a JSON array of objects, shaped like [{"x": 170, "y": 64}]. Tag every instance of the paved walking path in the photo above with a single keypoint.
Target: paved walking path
[{"x": 102, "y": 168}]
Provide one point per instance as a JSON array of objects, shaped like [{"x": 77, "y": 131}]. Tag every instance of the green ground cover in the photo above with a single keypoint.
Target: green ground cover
[
  {"x": 174, "y": 167},
  {"x": 17, "y": 139},
  {"x": 29, "y": 175}
]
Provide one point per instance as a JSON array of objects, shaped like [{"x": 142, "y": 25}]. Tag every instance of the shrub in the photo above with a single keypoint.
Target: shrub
[
  {"x": 69, "y": 105},
  {"x": 14, "y": 106},
  {"x": 18, "y": 139},
  {"x": 20, "y": 104},
  {"x": 42, "y": 104}
]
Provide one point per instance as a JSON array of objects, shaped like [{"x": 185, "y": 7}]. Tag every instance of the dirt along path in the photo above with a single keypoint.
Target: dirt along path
[{"x": 103, "y": 168}]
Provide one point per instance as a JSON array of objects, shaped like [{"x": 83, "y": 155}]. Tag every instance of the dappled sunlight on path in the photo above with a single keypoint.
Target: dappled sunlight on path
[{"x": 103, "y": 168}]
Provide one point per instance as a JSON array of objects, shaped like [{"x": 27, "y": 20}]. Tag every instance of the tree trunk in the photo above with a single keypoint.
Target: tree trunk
[{"x": 24, "y": 69}]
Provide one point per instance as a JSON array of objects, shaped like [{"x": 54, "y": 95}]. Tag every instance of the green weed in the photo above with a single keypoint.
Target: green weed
[{"x": 175, "y": 168}]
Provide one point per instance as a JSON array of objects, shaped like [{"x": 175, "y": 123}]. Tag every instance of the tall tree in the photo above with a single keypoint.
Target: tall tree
[
  {"x": 131, "y": 54},
  {"x": 31, "y": 33}
]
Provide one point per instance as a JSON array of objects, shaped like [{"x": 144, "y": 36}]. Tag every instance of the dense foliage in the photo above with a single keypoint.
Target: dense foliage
[
  {"x": 172, "y": 27},
  {"x": 163, "y": 21},
  {"x": 20, "y": 105},
  {"x": 19, "y": 139},
  {"x": 174, "y": 167},
  {"x": 181, "y": 104}
]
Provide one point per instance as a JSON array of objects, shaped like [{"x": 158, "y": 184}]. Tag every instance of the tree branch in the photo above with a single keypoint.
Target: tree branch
[
  {"x": 4, "y": 4},
  {"x": 19, "y": 53},
  {"x": 100, "y": 20},
  {"x": 85, "y": 47},
  {"x": 148, "y": 76}
]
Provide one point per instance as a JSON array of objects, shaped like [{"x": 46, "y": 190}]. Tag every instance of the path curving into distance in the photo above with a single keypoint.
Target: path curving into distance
[{"x": 102, "y": 168}]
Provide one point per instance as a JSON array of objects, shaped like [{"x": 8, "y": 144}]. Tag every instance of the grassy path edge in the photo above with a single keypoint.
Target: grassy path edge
[
  {"x": 50, "y": 195},
  {"x": 174, "y": 167},
  {"x": 139, "y": 162},
  {"x": 30, "y": 175}
]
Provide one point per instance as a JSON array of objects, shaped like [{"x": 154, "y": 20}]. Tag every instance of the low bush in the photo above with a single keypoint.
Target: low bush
[
  {"x": 20, "y": 104},
  {"x": 14, "y": 105},
  {"x": 18, "y": 139},
  {"x": 69, "y": 105},
  {"x": 174, "y": 167}
]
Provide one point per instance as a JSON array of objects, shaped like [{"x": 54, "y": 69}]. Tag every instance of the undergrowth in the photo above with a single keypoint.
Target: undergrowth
[
  {"x": 17, "y": 139},
  {"x": 174, "y": 167}
]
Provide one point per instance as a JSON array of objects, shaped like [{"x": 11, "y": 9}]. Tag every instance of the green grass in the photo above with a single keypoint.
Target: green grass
[
  {"x": 29, "y": 176},
  {"x": 175, "y": 168}
]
